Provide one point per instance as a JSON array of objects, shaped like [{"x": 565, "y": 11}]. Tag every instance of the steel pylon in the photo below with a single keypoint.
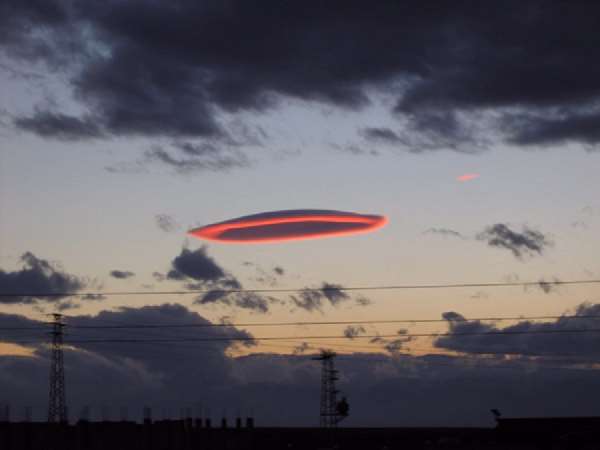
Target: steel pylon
[{"x": 57, "y": 406}]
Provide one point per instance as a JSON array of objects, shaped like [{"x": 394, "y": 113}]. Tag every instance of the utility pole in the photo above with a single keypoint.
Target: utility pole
[
  {"x": 57, "y": 407},
  {"x": 328, "y": 417}
]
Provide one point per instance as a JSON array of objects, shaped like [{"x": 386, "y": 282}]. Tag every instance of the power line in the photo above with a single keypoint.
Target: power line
[
  {"x": 469, "y": 366},
  {"x": 321, "y": 289},
  {"x": 370, "y": 359},
  {"x": 332, "y": 322},
  {"x": 374, "y": 357},
  {"x": 298, "y": 323},
  {"x": 277, "y": 338}
]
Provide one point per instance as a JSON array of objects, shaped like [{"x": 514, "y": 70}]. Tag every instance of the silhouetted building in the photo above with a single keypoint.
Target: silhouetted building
[{"x": 510, "y": 433}]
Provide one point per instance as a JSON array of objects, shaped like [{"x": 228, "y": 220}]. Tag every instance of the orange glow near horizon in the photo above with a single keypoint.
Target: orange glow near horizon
[
  {"x": 10, "y": 349},
  {"x": 468, "y": 177},
  {"x": 286, "y": 227}
]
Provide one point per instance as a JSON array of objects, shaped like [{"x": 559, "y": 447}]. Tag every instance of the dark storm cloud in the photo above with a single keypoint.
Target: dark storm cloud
[
  {"x": 435, "y": 389},
  {"x": 444, "y": 66},
  {"x": 438, "y": 124},
  {"x": 571, "y": 127},
  {"x": 15, "y": 73},
  {"x": 213, "y": 296},
  {"x": 39, "y": 279},
  {"x": 121, "y": 274},
  {"x": 18, "y": 35},
  {"x": 200, "y": 271},
  {"x": 165, "y": 314},
  {"x": 529, "y": 242},
  {"x": 98, "y": 372},
  {"x": 59, "y": 126},
  {"x": 195, "y": 264},
  {"x": 16, "y": 320},
  {"x": 136, "y": 93},
  {"x": 584, "y": 346}
]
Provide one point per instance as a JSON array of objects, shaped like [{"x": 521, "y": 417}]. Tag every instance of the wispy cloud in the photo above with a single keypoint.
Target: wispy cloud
[{"x": 528, "y": 242}]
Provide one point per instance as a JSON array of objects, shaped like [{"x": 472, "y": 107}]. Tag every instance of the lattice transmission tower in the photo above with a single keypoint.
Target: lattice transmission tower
[
  {"x": 328, "y": 417},
  {"x": 57, "y": 406}
]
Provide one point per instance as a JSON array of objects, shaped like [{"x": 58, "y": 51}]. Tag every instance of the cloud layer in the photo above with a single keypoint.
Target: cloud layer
[
  {"x": 39, "y": 279},
  {"x": 435, "y": 389},
  {"x": 550, "y": 342},
  {"x": 197, "y": 270},
  {"x": 443, "y": 71}
]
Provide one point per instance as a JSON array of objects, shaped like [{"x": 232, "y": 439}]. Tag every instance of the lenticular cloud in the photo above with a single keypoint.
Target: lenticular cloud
[{"x": 276, "y": 226}]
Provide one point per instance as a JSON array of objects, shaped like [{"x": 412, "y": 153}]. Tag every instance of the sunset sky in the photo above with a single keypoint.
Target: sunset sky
[{"x": 474, "y": 130}]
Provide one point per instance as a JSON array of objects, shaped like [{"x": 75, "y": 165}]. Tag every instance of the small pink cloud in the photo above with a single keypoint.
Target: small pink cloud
[{"x": 468, "y": 177}]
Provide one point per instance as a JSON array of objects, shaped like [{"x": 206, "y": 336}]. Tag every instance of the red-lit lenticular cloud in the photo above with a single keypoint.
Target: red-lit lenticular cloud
[
  {"x": 468, "y": 177},
  {"x": 289, "y": 225}
]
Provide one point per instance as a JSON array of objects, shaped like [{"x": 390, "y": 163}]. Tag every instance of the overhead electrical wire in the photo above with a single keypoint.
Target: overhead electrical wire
[
  {"x": 120, "y": 325},
  {"x": 322, "y": 289},
  {"x": 275, "y": 338},
  {"x": 374, "y": 357},
  {"x": 336, "y": 322},
  {"x": 348, "y": 344}
]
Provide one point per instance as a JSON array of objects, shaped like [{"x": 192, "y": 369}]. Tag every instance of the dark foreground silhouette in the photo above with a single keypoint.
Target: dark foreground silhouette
[{"x": 189, "y": 434}]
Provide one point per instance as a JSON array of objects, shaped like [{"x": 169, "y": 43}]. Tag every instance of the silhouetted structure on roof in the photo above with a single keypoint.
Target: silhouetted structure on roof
[
  {"x": 552, "y": 425},
  {"x": 510, "y": 433}
]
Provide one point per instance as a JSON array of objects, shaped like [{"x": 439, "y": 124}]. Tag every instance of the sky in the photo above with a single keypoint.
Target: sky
[{"x": 474, "y": 129}]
